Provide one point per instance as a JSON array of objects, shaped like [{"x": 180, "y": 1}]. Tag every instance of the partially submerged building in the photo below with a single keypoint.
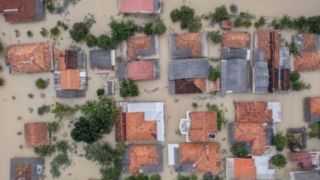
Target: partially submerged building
[
  {"x": 70, "y": 75},
  {"x": 236, "y": 39},
  {"x": 139, "y": 6},
  {"x": 29, "y": 58},
  {"x": 308, "y": 46},
  {"x": 139, "y": 70},
  {"x": 195, "y": 157},
  {"x": 30, "y": 168},
  {"x": 188, "y": 76},
  {"x": 297, "y": 139},
  {"x": 141, "y": 48},
  {"x": 143, "y": 159},
  {"x": 188, "y": 45},
  {"x": 36, "y": 134},
  {"x": 312, "y": 109},
  {"x": 142, "y": 121},
  {"x": 22, "y": 10},
  {"x": 102, "y": 60},
  {"x": 307, "y": 160},
  {"x": 199, "y": 126}
]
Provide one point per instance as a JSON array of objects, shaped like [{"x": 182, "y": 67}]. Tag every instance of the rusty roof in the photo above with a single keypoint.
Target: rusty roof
[
  {"x": 139, "y": 129},
  {"x": 315, "y": 106},
  {"x": 202, "y": 125},
  {"x": 309, "y": 42},
  {"x": 36, "y": 134},
  {"x": 66, "y": 59},
  {"x": 254, "y": 133},
  {"x": 70, "y": 79},
  {"x": 305, "y": 61},
  {"x": 140, "y": 70},
  {"x": 136, "y": 44},
  {"x": 191, "y": 42},
  {"x": 29, "y": 58},
  {"x": 234, "y": 39},
  {"x": 204, "y": 156},
  {"x": 142, "y": 155},
  {"x": 22, "y": 171},
  {"x": 191, "y": 85},
  {"x": 244, "y": 169},
  {"x": 253, "y": 112}
]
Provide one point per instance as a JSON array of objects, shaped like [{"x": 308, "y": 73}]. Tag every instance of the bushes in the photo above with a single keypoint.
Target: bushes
[
  {"x": 220, "y": 14},
  {"x": 278, "y": 160},
  {"x": 296, "y": 83},
  {"x": 279, "y": 141},
  {"x": 243, "y": 20},
  {"x": 315, "y": 130},
  {"x": 55, "y": 31},
  {"x": 302, "y": 24},
  {"x": 194, "y": 25},
  {"x": 214, "y": 74},
  {"x": 105, "y": 42},
  {"x": 221, "y": 121},
  {"x": 100, "y": 92},
  {"x": 91, "y": 40},
  {"x": 128, "y": 89},
  {"x": 57, "y": 162},
  {"x": 233, "y": 9},
  {"x": 80, "y": 30},
  {"x": 41, "y": 83},
  {"x": 156, "y": 27},
  {"x": 215, "y": 36},
  {"x": 239, "y": 150},
  {"x": 260, "y": 22},
  {"x": 44, "y": 151},
  {"x": 144, "y": 177},
  {"x": 209, "y": 176},
  {"x": 122, "y": 30},
  {"x": 1, "y": 81},
  {"x": 187, "y": 18},
  {"x": 62, "y": 110},
  {"x": 293, "y": 48},
  {"x": 43, "y": 109},
  {"x": 1, "y": 47},
  {"x": 294, "y": 76}
]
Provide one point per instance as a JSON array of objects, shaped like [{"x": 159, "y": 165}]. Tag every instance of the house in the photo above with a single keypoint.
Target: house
[
  {"x": 199, "y": 126},
  {"x": 260, "y": 73},
  {"x": 268, "y": 46},
  {"x": 22, "y": 10},
  {"x": 308, "y": 46},
  {"x": 143, "y": 159},
  {"x": 139, "y": 6},
  {"x": 303, "y": 175},
  {"x": 29, "y": 58},
  {"x": 195, "y": 157},
  {"x": 141, "y": 48},
  {"x": 255, "y": 168},
  {"x": 70, "y": 77},
  {"x": 297, "y": 139},
  {"x": 36, "y": 134},
  {"x": 307, "y": 160},
  {"x": 235, "y": 39},
  {"x": 188, "y": 45},
  {"x": 312, "y": 109},
  {"x": 30, "y": 168},
  {"x": 139, "y": 70},
  {"x": 188, "y": 76},
  {"x": 142, "y": 121},
  {"x": 102, "y": 60}
]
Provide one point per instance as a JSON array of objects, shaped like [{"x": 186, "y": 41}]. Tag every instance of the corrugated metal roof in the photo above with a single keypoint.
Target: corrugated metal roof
[
  {"x": 184, "y": 69},
  {"x": 234, "y": 75}
]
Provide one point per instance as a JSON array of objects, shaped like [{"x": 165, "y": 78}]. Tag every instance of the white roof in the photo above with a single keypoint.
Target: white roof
[
  {"x": 276, "y": 111},
  {"x": 171, "y": 155}
]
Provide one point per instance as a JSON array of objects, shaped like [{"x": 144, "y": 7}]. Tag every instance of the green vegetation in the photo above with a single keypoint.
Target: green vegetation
[
  {"x": 280, "y": 141},
  {"x": 29, "y": 34},
  {"x": 80, "y": 30},
  {"x": 243, "y": 20},
  {"x": 1, "y": 81},
  {"x": 91, "y": 40},
  {"x": 53, "y": 127},
  {"x": 128, "y": 89},
  {"x": 315, "y": 130},
  {"x": 109, "y": 158},
  {"x": 105, "y": 42},
  {"x": 41, "y": 83},
  {"x": 214, "y": 74},
  {"x": 239, "y": 150},
  {"x": 87, "y": 130},
  {"x": 44, "y": 151},
  {"x": 122, "y": 30},
  {"x": 62, "y": 110},
  {"x": 221, "y": 121},
  {"x": 155, "y": 27},
  {"x": 62, "y": 146},
  {"x": 303, "y": 24},
  {"x": 55, "y": 31},
  {"x": 233, "y": 9},
  {"x": 209, "y": 176},
  {"x": 100, "y": 92},
  {"x": 293, "y": 48},
  {"x": 195, "y": 105},
  {"x": 44, "y": 32},
  {"x": 220, "y": 14},
  {"x": 43, "y": 109},
  {"x": 294, "y": 76},
  {"x": 215, "y": 36},
  {"x": 57, "y": 163},
  {"x": 63, "y": 25},
  {"x": 260, "y": 22},
  {"x": 296, "y": 83},
  {"x": 50, "y": 6},
  {"x": 278, "y": 160},
  {"x": 1, "y": 47},
  {"x": 186, "y": 16},
  {"x": 144, "y": 177}
]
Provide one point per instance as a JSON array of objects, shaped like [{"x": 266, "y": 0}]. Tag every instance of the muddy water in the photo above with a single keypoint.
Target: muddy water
[{"x": 20, "y": 86}]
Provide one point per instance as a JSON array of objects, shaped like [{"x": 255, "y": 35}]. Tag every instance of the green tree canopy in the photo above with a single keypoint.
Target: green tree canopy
[
  {"x": 239, "y": 150},
  {"x": 220, "y": 14},
  {"x": 105, "y": 42},
  {"x": 91, "y": 40},
  {"x": 128, "y": 89},
  {"x": 122, "y": 30},
  {"x": 280, "y": 141},
  {"x": 278, "y": 160}
]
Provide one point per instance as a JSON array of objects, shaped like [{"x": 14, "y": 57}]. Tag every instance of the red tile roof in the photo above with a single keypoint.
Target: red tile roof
[
  {"x": 22, "y": 171},
  {"x": 302, "y": 158},
  {"x": 204, "y": 156},
  {"x": 244, "y": 169},
  {"x": 142, "y": 155},
  {"x": 194, "y": 85},
  {"x": 140, "y": 70},
  {"x": 233, "y": 39},
  {"x": 138, "y": 129},
  {"x": 202, "y": 124},
  {"x": 305, "y": 61},
  {"x": 29, "y": 58},
  {"x": 136, "y": 44},
  {"x": 135, "y": 6},
  {"x": 315, "y": 106},
  {"x": 191, "y": 42},
  {"x": 70, "y": 79},
  {"x": 25, "y": 10},
  {"x": 253, "y": 112},
  {"x": 253, "y": 133},
  {"x": 36, "y": 134}
]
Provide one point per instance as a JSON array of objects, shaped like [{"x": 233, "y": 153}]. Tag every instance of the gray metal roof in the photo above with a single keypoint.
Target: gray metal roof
[
  {"x": 235, "y": 53},
  {"x": 184, "y": 69},
  {"x": 234, "y": 75},
  {"x": 260, "y": 72},
  {"x": 40, "y": 12},
  {"x": 122, "y": 71},
  {"x": 304, "y": 175},
  {"x": 34, "y": 161},
  {"x": 101, "y": 59},
  {"x": 70, "y": 93},
  {"x": 181, "y": 167},
  {"x": 298, "y": 40}
]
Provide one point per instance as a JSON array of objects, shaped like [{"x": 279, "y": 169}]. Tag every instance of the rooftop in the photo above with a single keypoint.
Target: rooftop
[
  {"x": 190, "y": 86},
  {"x": 36, "y": 134},
  {"x": 271, "y": 51},
  {"x": 297, "y": 139},
  {"x": 303, "y": 175},
  {"x": 139, "y": 129},
  {"x": 253, "y": 112},
  {"x": 139, "y": 6},
  {"x": 234, "y": 39},
  {"x": 312, "y": 109},
  {"x": 142, "y": 47},
  {"x": 140, "y": 70},
  {"x": 25, "y": 168},
  {"x": 102, "y": 59},
  {"x": 29, "y": 58},
  {"x": 70, "y": 79},
  {"x": 244, "y": 169},
  {"x": 307, "y": 61}
]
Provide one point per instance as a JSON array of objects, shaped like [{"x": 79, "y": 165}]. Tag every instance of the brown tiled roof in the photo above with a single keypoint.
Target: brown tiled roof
[
  {"x": 140, "y": 70},
  {"x": 136, "y": 44},
  {"x": 244, "y": 169},
  {"x": 29, "y": 58},
  {"x": 66, "y": 59},
  {"x": 233, "y": 39},
  {"x": 138, "y": 129},
  {"x": 309, "y": 42},
  {"x": 315, "y": 106},
  {"x": 202, "y": 124},
  {"x": 190, "y": 41},
  {"x": 253, "y": 112},
  {"x": 307, "y": 61},
  {"x": 184, "y": 86},
  {"x": 70, "y": 79},
  {"x": 253, "y": 133},
  {"x": 204, "y": 156},
  {"x": 25, "y": 10},
  {"x": 142, "y": 155},
  {"x": 36, "y": 134},
  {"x": 120, "y": 125},
  {"x": 22, "y": 171}
]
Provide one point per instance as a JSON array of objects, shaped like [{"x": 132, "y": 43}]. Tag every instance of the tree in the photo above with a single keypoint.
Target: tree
[
  {"x": 278, "y": 160},
  {"x": 79, "y": 31},
  {"x": 260, "y": 22},
  {"x": 57, "y": 162},
  {"x": 181, "y": 177},
  {"x": 63, "y": 110},
  {"x": 1, "y": 81},
  {"x": 1, "y": 47},
  {"x": 214, "y": 74},
  {"x": 122, "y": 30},
  {"x": 44, "y": 151},
  {"x": 43, "y": 109},
  {"x": 186, "y": 14},
  {"x": 315, "y": 130},
  {"x": 299, "y": 86},
  {"x": 105, "y": 42},
  {"x": 55, "y": 31},
  {"x": 220, "y": 14},
  {"x": 91, "y": 40},
  {"x": 239, "y": 150},
  {"x": 209, "y": 176},
  {"x": 155, "y": 177},
  {"x": 53, "y": 127},
  {"x": 156, "y": 27},
  {"x": 215, "y": 36},
  {"x": 100, "y": 92},
  {"x": 175, "y": 15},
  {"x": 62, "y": 146},
  {"x": 233, "y": 9},
  {"x": 285, "y": 22},
  {"x": 50, "y": 6},
  {"x": 44, "y": 32},
  {"x": 294, "y": 76},
  {"x": 128, "y": 89},
  {"x": 280, "y": 141},
  {"x": 194, "y": 25},
  {"x": 293, "y": 48},
  {"x": 87, "y": 131},
  {"x": 41, "y": 83}
]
